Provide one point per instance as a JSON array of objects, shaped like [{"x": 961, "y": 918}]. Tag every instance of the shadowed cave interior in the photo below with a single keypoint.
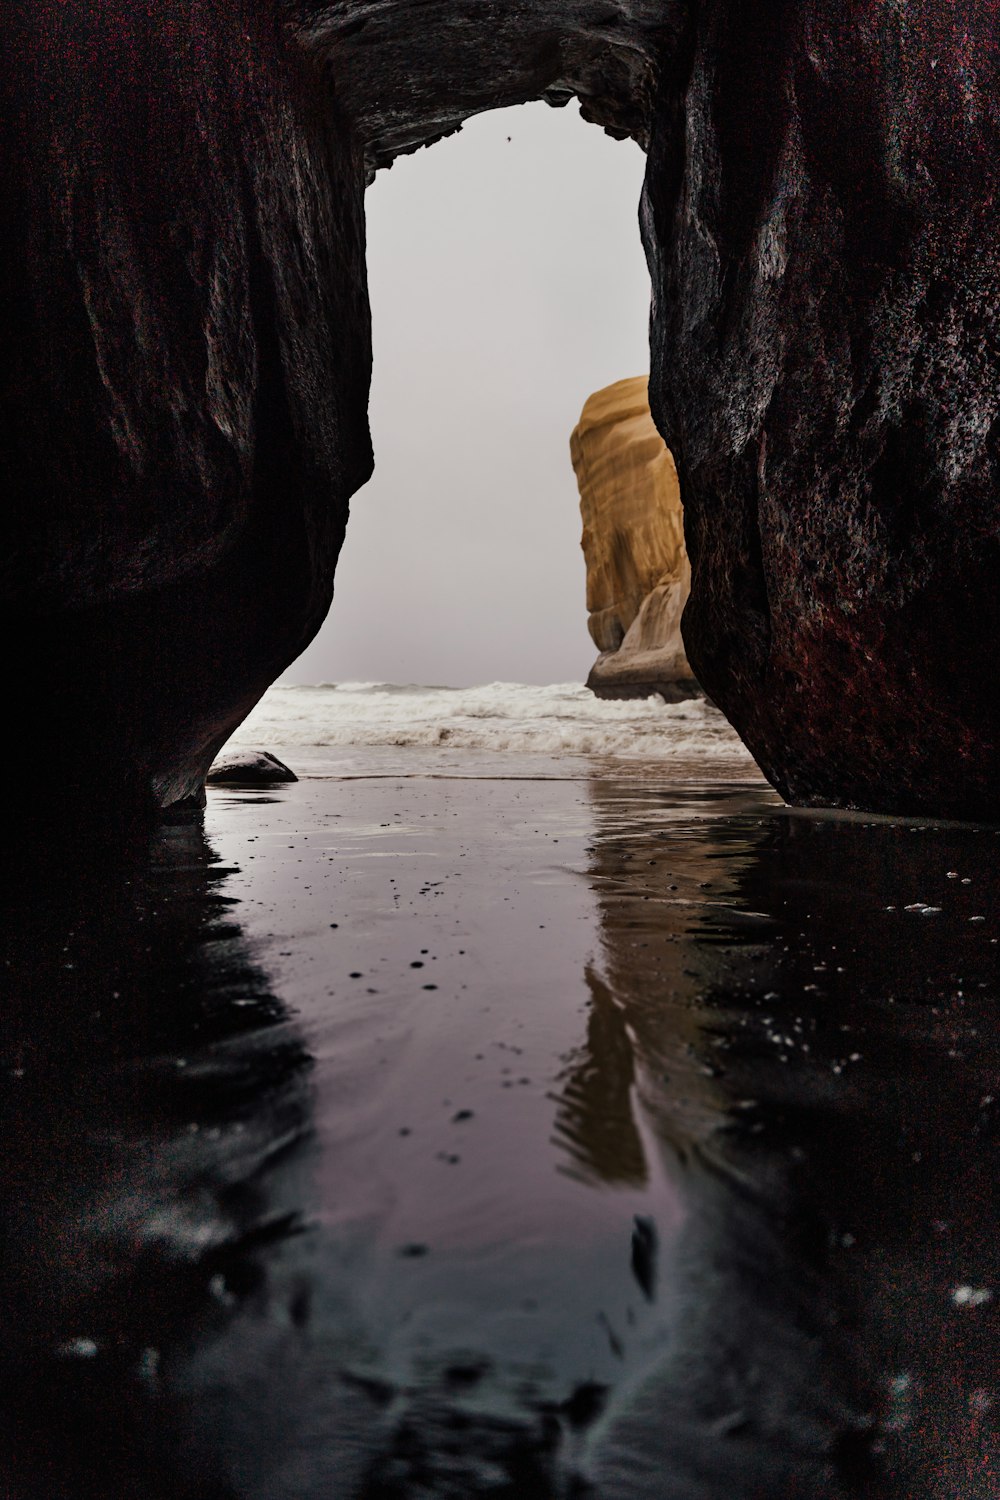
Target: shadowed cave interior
[{"x": 189, "y": 355}]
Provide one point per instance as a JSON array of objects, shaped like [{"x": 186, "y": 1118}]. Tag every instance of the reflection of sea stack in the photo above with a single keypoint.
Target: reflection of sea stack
[
  {"x": 638, "y": 574},
  {"x": 595, "y": 1122}
]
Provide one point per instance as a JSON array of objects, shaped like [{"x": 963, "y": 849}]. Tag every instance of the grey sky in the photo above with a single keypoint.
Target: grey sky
[{"x": 507, "y": 282}]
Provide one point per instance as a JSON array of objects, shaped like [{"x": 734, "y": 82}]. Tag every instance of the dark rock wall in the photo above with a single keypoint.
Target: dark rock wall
[
  {"x": 185, "y": 379},
  {"x": 821, "y": 221}
]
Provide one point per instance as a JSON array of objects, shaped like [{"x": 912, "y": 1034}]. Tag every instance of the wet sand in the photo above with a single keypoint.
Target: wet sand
[{"x": 446, "y": 1136}]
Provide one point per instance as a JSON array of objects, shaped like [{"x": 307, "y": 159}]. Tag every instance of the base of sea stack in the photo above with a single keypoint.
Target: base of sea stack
[{"x": 612, "y": 679}]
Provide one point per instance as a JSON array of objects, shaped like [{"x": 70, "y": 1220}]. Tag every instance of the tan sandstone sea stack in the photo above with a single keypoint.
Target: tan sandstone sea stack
[{"x": 638, "y": 574}]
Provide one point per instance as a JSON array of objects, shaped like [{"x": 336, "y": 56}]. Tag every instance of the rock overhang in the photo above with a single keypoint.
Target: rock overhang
[{"x": 408, "y": 72}]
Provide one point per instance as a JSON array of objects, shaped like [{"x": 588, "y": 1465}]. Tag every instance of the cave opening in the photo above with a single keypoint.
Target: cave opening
[
  {"x": 189, "y": 354},
  {"x": 507, "y": 282}
]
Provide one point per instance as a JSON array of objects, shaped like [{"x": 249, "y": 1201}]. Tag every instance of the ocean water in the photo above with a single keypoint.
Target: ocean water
[{"x": 500, "y": 729}]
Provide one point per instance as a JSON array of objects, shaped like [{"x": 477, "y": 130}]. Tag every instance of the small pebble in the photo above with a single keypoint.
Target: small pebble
[
  {"x": 78, "y": 1349},
  {"x": 971, "y": 1296}
]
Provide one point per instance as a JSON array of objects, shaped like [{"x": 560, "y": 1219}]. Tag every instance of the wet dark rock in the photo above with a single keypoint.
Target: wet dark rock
[
  {"x": 187, "y": 353},
  {"x": 184, "y": 381},
  {"x": 824, "y": 369},
  {"x": 249, "y": 768}
]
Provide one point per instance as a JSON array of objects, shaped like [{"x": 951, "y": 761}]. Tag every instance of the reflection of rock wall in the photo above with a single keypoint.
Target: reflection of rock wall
[{"x": 638, "y": 575}]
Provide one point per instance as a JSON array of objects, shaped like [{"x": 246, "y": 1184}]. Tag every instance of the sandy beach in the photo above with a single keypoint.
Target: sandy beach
[{"x": 534, "y": 1135}]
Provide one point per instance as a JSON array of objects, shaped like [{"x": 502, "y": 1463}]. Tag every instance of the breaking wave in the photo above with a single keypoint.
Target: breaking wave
[{"x": 560, "y": 719}]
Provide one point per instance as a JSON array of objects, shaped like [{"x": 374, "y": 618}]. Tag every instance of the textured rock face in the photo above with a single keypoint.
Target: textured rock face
[
  {"x": 186, "y": 355},
  {"x": 408, "y": 72},
  {"x": 638, "y": 575},
  {"x": 185, "y": 374},
  {"x": 819, "y": 198}
]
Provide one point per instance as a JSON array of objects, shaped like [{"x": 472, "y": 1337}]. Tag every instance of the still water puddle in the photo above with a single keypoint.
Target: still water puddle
[{"x": 450, "y": 1137}]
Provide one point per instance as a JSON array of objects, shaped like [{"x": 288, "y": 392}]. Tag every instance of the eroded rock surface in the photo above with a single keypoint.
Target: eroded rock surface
[
  {"x": 638, "y": 574},
  {"x": 819, "y": 197},
  {"x": 187, "y": 356},
  {"x": 409, "y": 72},
  {"x": 184, "y": 380}
]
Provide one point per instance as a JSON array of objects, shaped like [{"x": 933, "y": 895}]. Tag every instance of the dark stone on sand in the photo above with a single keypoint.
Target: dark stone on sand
[
  {"x": 644, "y": 1247},
  {"x": 187, "y": 357},
  {"x": 585, "y": 1405},
  {"x": 249, "y": 768}
]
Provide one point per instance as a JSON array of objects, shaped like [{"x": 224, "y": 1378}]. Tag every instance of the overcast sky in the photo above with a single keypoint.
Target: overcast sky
[{"x": 507, "y": 282}]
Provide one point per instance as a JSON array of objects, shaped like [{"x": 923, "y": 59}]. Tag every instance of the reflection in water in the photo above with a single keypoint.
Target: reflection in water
[
  {"x": 155, "y": 1106},
  {"x": 838, "y": 1288},
  {"x": 595, "y": 1121},
  {"x": 876, "y": 1058},
  {"x": 722, "y": 1218}
]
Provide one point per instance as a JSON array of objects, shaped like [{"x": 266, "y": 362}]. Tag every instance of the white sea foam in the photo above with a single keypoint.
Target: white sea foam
[{"x": 502, "y": 717}]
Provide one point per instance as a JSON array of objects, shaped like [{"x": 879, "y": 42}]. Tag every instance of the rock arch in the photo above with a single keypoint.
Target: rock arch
[{"x": 187, "y": 360}]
